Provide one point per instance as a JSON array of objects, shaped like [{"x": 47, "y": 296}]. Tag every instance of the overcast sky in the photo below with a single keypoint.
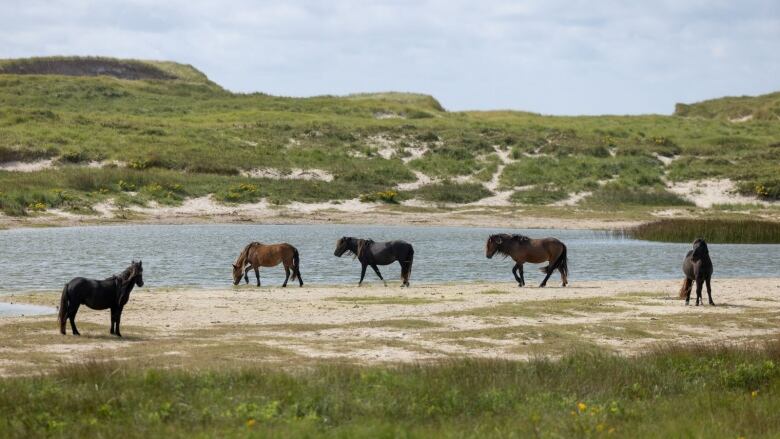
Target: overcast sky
[{"x": 548, "y": 56}]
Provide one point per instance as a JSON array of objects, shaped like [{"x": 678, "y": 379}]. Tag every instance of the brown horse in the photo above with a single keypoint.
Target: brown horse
[
  {"x": 256, "y": 255},
  {"x": 524, "y": 249}
]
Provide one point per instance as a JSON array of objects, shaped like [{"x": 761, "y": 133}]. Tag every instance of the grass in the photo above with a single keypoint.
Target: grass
[
  {"x": 739, "y": 231},
  {"x": 190, "y": 132},
  {"x": 450, "y": 192},
  {"x": 383, "y": 300},
  {"x": 724, "y": 392},
  {"x": 538, "y": 308}
]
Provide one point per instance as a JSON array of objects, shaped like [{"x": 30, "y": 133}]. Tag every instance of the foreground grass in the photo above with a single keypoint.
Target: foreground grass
[
  {"x": 673, "y": 392},
  {"x": 739, "y": 231}
]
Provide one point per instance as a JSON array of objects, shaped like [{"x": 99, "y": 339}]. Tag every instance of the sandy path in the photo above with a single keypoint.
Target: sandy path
[{"x": 376, "y": 324}]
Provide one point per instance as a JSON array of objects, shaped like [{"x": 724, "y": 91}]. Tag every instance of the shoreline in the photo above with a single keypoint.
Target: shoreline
[
  {"x": 456, "y": 218},
  {"x": 225, "y": 327}
]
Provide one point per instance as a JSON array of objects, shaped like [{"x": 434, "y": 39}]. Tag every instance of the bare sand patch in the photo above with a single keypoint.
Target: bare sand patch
[
  {"x": 289, "y": 174},
  {"x": 706, "y": 193},
  {"x": 35, "y": 166},
  {"x": 370, "y": 324}
]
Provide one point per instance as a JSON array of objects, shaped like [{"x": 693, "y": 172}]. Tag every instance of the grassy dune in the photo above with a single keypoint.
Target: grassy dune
[
  {"x": 185, "y": 136},
  {"x": 673, "y": 392}
]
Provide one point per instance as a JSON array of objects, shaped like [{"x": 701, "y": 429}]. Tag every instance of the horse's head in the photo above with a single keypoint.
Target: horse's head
[
  {"x": 342, "y": 245},
  {"x": 491, "y": 247},
  {"x": 700, "y": 249},
  {"x": 237, "y": 273},
  {"x": 136, "y": 273}
]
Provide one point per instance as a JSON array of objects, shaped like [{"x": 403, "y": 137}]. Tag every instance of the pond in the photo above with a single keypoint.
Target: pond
[{"x": 201, "y": 255}]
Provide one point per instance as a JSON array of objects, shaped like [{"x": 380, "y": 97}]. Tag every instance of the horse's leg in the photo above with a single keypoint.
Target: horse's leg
[
  {"x": 564, "y": 278},
  {"x": 73, "y": 308},
  {"x": 699, "y": 283},
  {"x": 257, "y": 275},
  {"x": 286, "y": 275},
  {"x": 405, "y": 269},
  {"x": 246, "y": 273},
  {"x": 362, "y": 274},
  {"x": 514, "y": 273},
  {"x": 547, "y": 276},
  {"x": 113, "y": 320},
  {"x": 709, "y": 291},
  {"x": 118, "y": 318},
  {"x": 298, "y": 273},
  {"x": 376, "y": 270},
  {"x": 688, "y": 286}
]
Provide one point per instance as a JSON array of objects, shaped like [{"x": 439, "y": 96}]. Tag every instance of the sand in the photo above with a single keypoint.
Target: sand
[{"x": 374, "y": 324}]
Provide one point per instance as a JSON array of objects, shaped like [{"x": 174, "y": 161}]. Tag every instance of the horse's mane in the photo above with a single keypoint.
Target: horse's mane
[
  {"x": 241, "y": 261},
  {"x": 362, "y": 244},
  {"x": 505, "y": 237},
  {"x": 127, "y": 274}
]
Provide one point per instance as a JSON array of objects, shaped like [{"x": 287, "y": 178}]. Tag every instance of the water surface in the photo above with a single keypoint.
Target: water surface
[{"x": 201, "y": 255}]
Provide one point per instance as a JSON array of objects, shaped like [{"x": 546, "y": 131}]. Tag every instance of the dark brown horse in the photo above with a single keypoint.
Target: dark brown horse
[
  {"x": 524, "y": 249},
  {"x": 697, "y": 266},
  {"x": 112, "y": 293},
  {"x": 373, "y": 253},
  {"x": 256, "y": 255}
]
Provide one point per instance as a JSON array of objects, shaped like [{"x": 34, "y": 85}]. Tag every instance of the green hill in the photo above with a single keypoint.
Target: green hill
[
  {"x": 164, "y": 132},
  {"x": 735, "y": 109}
]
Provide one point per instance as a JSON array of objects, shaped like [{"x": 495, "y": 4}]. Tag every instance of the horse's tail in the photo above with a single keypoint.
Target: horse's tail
[
  {"x": 406, "y": 270},
  {"x": 686, "y": 287},
  {"x": 63, "y": 313},
  {"x": 562, "y": 263},
  {"x": 296, "y": 264}
]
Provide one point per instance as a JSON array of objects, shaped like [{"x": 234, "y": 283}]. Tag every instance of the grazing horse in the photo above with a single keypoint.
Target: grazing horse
[
  {"x": 697, "y": 266},
  {"x": 524, "y": 249},
  {"x": 373, "y": 253},
  {"x": 256, "y": 255},
  {"x": 112, "y": 293}
]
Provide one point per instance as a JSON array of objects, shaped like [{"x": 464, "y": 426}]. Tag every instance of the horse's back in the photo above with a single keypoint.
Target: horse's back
[
  {"x": 269, "y": 255},
  {"x": 94, "y": 293}
]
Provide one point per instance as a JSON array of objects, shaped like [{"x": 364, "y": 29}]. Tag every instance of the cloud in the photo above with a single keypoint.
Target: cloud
[{"x": 560, "y": 57}]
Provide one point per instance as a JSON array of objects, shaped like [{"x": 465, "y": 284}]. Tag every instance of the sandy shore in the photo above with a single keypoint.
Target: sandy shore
[
  {"x": 476, "y": 217},
  {"x": 246, "y": 325}
]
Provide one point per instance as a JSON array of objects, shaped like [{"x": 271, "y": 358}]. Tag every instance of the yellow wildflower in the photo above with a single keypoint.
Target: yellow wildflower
[
  {"x": 754, "y": 393},
  {"x": 250, "y": 423},
  {"x": 582, "y": 407}
]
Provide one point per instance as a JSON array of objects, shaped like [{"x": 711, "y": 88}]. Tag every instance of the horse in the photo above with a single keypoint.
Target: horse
[
  {"x": 697, "y": 266},
  {"x": 111, "y": 293},
  {"x": 524, "y": 249},
  {"x": 256, "y": 255},
  {"x": 371, "y": 253}
]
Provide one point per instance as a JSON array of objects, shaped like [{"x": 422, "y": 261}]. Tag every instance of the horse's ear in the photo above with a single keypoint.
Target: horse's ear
[
  {"x": 140, "y": 262},
  {"x": 234, "y": 265}
]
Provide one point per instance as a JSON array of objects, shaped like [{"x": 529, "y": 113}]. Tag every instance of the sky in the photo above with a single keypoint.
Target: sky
[{"x": 546, "y": 56}]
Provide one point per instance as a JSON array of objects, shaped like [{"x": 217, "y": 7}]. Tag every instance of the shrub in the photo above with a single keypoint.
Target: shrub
[{"x": 388, "y": 196}]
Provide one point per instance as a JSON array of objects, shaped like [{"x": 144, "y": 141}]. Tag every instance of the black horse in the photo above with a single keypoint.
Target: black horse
[
  {"x": 697, "y": 266},
  {"x": 110, "y": 293},
  {"x": 373, "y": 253}
]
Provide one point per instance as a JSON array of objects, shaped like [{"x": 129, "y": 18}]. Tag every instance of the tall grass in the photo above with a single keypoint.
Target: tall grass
[
  {"x": 738, "y": 231},
  {"x": 675, "y": 392}
]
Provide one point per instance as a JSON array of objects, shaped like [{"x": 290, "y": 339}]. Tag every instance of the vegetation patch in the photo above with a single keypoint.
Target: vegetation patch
[
  {"x": 451, "y": 192},
  {"x": 383, "y": 300},
  {"x": 734, "y": 391},
  {"x": 738, "y": 231},
  {"x": 536, "y": 308}
]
